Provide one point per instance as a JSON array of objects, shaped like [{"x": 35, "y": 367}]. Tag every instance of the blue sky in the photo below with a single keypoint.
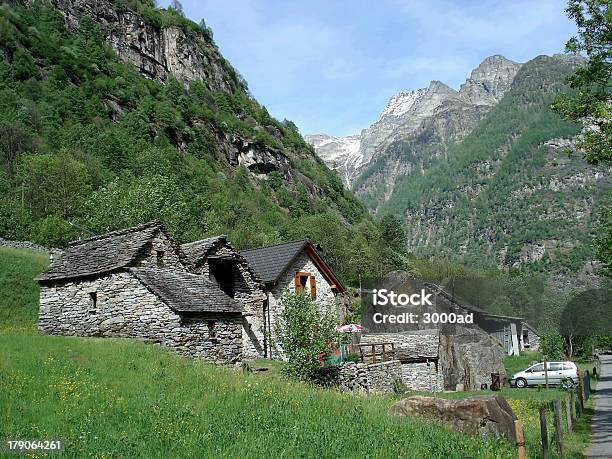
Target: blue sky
[{"x": 331, "y": 65}]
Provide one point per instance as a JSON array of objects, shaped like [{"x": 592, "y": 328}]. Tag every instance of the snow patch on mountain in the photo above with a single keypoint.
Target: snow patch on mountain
[
  {"x": 401, "y": 103},
  {"x": 339, "y": 153}
]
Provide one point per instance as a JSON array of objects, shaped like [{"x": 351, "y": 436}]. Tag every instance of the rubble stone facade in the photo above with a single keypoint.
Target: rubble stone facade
[
  {"x": 119, "y": 305},
  {"x": 326, "y": 298},
  {"x": 249, "y": 291}
]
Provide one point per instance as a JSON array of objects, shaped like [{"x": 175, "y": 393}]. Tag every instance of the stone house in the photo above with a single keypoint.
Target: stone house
[
  {"x": 418, "y": 353},
  {"x": 508, "y": 330},
  {"x": 296, "y": 266},
  {"x": 531, "y": 338},
  {"x": 135, "y": 283},
  {"x": 216, "y": 259},
  {"x": 433, "y": 357}
]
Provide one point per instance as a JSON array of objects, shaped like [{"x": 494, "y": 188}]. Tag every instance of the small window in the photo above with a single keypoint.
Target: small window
[
  {"x": 306, "y": 283},
  {"x": 555, "y": 366},
  {"x": 160, "y": 258},
  {"x": 212, "y": 329},
  {"x": 93, "y": 302}
]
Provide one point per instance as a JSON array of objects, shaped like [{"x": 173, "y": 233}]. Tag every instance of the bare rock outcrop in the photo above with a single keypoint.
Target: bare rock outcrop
[
  {"x": 156, "y": 51},
  {"x": 488, "y": 415}
]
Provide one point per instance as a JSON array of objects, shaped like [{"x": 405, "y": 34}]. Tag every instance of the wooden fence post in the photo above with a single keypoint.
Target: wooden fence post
[
  {"x": 568, "y": 414},
  {"x": 520, "y": 439},
  {"x": 558, "y": 426},
  {"x": 580, "y": 394},
  {"x": 546, "y": 373},
  {"x": 573, "y": 397},
  {"x": 544, "y": 433}
]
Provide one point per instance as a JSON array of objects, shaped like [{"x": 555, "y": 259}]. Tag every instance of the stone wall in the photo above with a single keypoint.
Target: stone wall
[
  {"x": 250, "y": 292},
  {"x": 326, "y": 297},
  {"x": 534, "y": 342},
  {"x": 382, "y": 376},
  {"x": 422, "y": 376},
  {"x": 124, "y": 307},
  {"x": 29, "y": 246},
  {"x": 170, "y": 259},
  {"x": 351, "y": 377},
  {"x": 364, "y": 379},
  {"x": 418, "y": 352}
]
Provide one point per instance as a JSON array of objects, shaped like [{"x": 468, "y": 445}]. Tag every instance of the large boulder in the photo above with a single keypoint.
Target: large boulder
[
  {"x": 468, "y": 356},
  {"x": 478, "y": 416}
]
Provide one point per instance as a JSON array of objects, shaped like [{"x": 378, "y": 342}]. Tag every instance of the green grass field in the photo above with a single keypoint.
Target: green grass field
[{"x": 123, "y": 398}]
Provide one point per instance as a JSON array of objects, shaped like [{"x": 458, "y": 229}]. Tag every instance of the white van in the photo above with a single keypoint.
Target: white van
[{"x": 558, "y": 372}]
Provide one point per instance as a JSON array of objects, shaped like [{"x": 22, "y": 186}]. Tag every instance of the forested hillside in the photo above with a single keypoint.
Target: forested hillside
[
  {"x": 508, "y": 195},
  {"x": 87, "y": 139}
]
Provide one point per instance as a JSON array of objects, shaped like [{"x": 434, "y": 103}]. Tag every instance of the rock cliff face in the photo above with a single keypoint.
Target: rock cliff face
[
  {"x": 156, "y": 51},
  {"x": 508, "y": 194},
  {"x": 414, "y": 117},
  {"x": 489, "y": 81}
]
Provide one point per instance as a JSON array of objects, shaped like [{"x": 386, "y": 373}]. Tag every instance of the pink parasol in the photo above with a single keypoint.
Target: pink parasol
[{"x": 350, "y": 328}]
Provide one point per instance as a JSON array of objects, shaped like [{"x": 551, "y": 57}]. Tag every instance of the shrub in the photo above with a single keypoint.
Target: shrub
[{"x": 305, "y": 333}]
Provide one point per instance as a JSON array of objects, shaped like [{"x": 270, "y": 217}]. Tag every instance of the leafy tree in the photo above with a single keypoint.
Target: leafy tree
[
  {"x": 23, "y": 65},
  {"x": 603, "y": 243},
  {"x": 393, "y": 232},
  {"x": 129, "y": 201},
  {"x": 54, "y": 184},
  {"x": 16, "y": 139},
  {"x": 305, "y": 334},
  {"x": 552, "y": 346},
  {"x": 591, "y": 103}
]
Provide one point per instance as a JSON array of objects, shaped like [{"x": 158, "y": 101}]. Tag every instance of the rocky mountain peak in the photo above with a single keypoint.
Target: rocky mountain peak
[
  {"x": 490, "y": 80},
  {"x": 406, "y": 112},
  {"x": 401, "y": 102}
]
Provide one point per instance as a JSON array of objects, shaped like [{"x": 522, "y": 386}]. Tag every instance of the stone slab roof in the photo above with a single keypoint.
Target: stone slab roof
[
  {"x": 467, "y": 306},
  {"x": 198, "y": 249},
  {"x": 185, "y": 292},
  {"x": 272, "y": 261},
  {"x": 102, "y": 254}
]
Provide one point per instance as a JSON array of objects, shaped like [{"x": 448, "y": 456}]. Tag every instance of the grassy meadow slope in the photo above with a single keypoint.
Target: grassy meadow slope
[{"x": 122, "y": 398}]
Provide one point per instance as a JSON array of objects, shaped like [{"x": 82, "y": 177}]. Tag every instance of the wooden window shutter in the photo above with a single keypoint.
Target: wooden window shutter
[
  {"x": 313, "y": 287},
  {"x": 298, "y": 286}
]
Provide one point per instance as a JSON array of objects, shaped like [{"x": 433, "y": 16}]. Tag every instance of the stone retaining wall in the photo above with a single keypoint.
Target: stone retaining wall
[
  {"x": 363, "y": 378},
  {"x": 422, "y": 376},
  {"x": 28, "y": 245}
]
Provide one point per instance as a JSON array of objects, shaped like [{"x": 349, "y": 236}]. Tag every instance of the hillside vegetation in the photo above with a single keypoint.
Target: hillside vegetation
[
  {"x": 508, "y": 195},
  {"x": 122, "y": 398},
  {"x": 87, "y": 139}
]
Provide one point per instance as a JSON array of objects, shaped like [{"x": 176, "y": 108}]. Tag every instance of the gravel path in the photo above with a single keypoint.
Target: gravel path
[{"x": 601, "y": 434}]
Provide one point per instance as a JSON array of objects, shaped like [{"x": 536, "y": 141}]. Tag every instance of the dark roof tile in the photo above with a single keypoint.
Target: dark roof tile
[
  {"x": 272, "y": 261},
  {"x": 198, "y": 249},
  {"x": 102, "y": 254},
  {"x": 185, "y": 292}
]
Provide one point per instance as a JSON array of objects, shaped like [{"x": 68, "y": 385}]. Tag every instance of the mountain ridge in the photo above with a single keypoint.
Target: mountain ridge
[{"x": 405, "y": 111}]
